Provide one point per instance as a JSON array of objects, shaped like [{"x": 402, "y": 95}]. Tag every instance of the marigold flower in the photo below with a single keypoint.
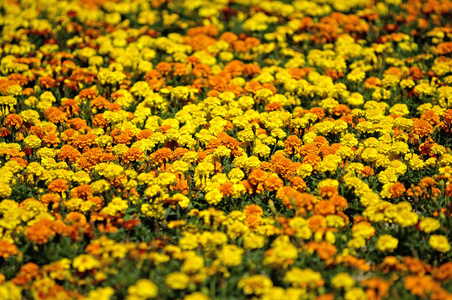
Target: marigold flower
[
  {"x": 439, "y": 243},
  {"x": 7, "y": 249},
  {"x": 387, "y": 243}
]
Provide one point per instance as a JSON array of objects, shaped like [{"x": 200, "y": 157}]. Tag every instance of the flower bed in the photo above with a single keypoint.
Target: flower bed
[{"x": 225, "y": 149}]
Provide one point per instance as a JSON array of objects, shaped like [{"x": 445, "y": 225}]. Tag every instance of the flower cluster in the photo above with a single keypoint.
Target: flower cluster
[{"x": 241, "y": 149}]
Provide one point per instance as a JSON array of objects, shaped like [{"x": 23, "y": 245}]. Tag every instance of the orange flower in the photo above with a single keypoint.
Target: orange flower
[
  {"x": 248, "y": 187},
  {"x": 219, "y": 83},
  {"x": 228, "y": 37},
  {"x": 99, "y": 121},
  {"x": 84, "y": 140},
  {"x": 328, "y": 191},
  {"x": 99, "y": 103},
  {"x": 273, "y": 183},
  {"x": 444, "y": 272},
  {"x": 317, "y": 223},
  {"x": 46, "y": 82},
  {"x": 419, "y": 285},
  {"x": 161, "y": 156},
  {"x": 70, "y": 107},
  {"x": 227, "y": 189},
  {"x": 201, "y": 70},
  {"x": 257, "y": 178},
  {"x": 325, "y": 207},
  {"x": 292, "y": 144},
  {"x": 431, "y": 117},
  {"x": 26, "y": 273},
  {"x": 50, "y": 198},
  {"x": 163, "y": 68},
  {"x": 422, "y": 128},
  {"x": 443, "y": 48},
  {"x": 83, "y": 192},
  {"x": 397, "y": 190},
  {"x": 133, "y": 154},
  {"x": 87, "y": 94},
  {"x": 234, "y": 68},
  {"x": 253, "y": 221},
  {"x": 69, "y": 135},
  {"x": 341, "y": 109},
  {"x": 55, "y": 115},
  {"x": 58, "y": 186},
  {"x": 325, "y": 297},
  {"x": 312, "y": 159},
  {"x": 40, "y": 232},
  {"x": 377, "y": 288},
  {"x": 447, "y": 116},
  {"x": 298, "y": 183},
  {"x": 7, "y": 249},
  {"x": 275, "y": 106},
  {"x": 252, "y": 69},
  {"x": 253, "y": 209},
  {"x": 51, "y": 139},
  {"x": 253, "y": 86},
  {"x": 372, "y": 82},
  {"x": 339, "y": 201},
  {"x": 324, "y": 249},
  {"x": 427, "y": 182}
]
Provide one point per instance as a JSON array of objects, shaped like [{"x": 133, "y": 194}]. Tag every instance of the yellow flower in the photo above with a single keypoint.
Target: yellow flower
[
  {"x": 143, "y": 288},
  {"x": 439, "y": 243},
  {"x": 355, "y": 294},
  {"x": 356, "y": 243},
  {"x": 192, "y": 264},
  {"x": 343, "y": 280},
  {"x": 196, "y": 296},
  {"x": 85, "y": 262},
  {"x": 101, "y": 293},
  {"x": 256, "y": 284},
  {"x": 177, "y": 280},
  {"x": 387, "y": 242},
  {"x": 429, "y": 225},
  {"x": 230, "y": 256},
  {"x": 10, "y": 291},
  {"x": 407, "y": 218},
  {"x": 214, "y": 197},
  {"x": 32, "y": 141},
  {"x": 303, "y": 277}
]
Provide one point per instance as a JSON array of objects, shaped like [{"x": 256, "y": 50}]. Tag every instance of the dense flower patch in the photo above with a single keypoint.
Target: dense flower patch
[{"x": 243, "y": 149}]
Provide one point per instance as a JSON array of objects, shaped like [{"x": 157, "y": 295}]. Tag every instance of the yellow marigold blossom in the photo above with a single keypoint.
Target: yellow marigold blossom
[
  {"x": 230, "y": 256},
  {"x": 428, "y": 225},
  {"x": 407, "y": 218},
  {"x": 143, "y": 288},
  {"x": 364, "y": 230},
  {"x": 10, "y": 291},
  {"x": 196, "y": 296},
  {"x": 177, "y": 280},
  {"x": 439, "y": 243},
  {"x": 253, "y": 241},
  {"x": 303, "y": 278},
  {"x": 343, "y": 280},
  {"x": 101, "y": 293},
  {"x": 387, "y": 243},
  {"x": 256, "y": 284},
  {"x": 305, "y": 170},
  {"x": 214, "y": 197},
  {"x": 192, "y": 264},
  {"x": 357, "y": 243},
  {"x": 355, "y": 294},
  {"x": 85, "y": 262},
  {"x": 32, "y": 141}
]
